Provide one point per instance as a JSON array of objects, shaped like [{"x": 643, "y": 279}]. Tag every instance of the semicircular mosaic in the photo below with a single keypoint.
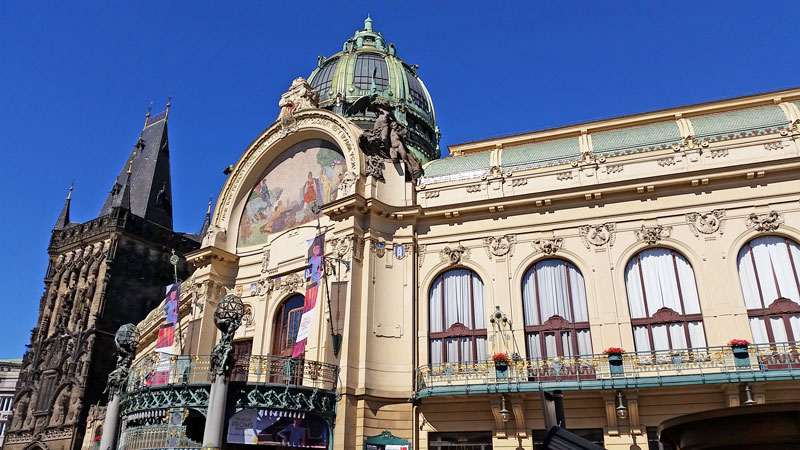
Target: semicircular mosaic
[{"x": 308, "y": 174}]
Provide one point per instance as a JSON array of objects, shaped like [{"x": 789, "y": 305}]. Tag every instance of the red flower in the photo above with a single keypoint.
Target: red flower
[
  {"x": 738, "y": 343},
  {"x": 500, "y": 358},
  {"x": 613, "y": 351}
]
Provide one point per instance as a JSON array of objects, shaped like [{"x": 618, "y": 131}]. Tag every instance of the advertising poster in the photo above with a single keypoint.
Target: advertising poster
[
  {"x": 313, "y": 275},
  {"x": 272, "y": 427},
  {"x": 165, "y": 342}
]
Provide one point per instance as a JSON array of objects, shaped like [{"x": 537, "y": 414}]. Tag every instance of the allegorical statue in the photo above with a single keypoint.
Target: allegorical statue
[{"x": 387, "y": 136}]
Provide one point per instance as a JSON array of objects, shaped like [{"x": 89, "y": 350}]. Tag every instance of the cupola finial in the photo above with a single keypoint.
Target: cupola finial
[{"x": 368, "y": 23}]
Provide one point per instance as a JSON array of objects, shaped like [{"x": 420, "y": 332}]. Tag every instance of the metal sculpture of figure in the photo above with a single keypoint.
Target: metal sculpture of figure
[
  {"x": 126, "y": 340},
  {"x": 227, "y": 318}
]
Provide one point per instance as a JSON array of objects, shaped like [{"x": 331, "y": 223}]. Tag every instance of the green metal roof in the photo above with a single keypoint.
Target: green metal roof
[
  {"x": 11, "y": 361},
  {"x": 643, "y": 138},
  {"x": 541, "y": 154},
  {"x": 455, "y": 168},
  {"x": 738, "y": 124}
]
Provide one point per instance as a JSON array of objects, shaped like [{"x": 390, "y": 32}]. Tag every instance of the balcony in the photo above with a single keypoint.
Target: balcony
[
  {"x": 637, "y": 370},
  {"x": 256, "y": 382}
]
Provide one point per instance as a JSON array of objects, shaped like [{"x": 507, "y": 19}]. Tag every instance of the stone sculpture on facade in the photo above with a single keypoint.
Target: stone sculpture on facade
[
  {"x": 765, "y": 222},
  {"x": 598, "y": 235},
  {"x": 706, "y": 223},
  {"x": 548, "y": 246},
  {"x": 651, "y": 235},
  {"x": 386, "y": 139},
  {"x": 300, "y": 96}
]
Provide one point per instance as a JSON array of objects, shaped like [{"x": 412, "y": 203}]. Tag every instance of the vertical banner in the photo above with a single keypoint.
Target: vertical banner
[
  {"x": 313, "y": 278},
  {"x": 165, "y": 342}
]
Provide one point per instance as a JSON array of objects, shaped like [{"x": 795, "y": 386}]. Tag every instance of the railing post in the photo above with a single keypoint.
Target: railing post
[{"x": 228, "y": 318}]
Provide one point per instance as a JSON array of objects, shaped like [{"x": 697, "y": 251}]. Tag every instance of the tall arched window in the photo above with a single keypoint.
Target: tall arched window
[
  {"x": 663, "y": 301},
  {"x": 287, "y": 322},
  {"x": 556, "y": 316},
  {"x": 457, "y": 317},
  {"x": 768, "y": 271}
]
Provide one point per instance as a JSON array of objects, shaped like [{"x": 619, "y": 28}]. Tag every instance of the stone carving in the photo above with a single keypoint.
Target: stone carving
[
  {"x": 666, "y": 161},
  {"x": 300, "y": 96},
  {"x": 214, "y": 237},
  {"x": 374, "y": 167},
  {"x": 358, "y": 248},
  {"x": 793, "y": 127},
  {"x": 519, "y": 182},
  {"x": 651, "y": 235},
  {"x": 343, "y": 247},
  {"x": 347, "y": 185},
  {"x": 265, "y": 286},
  {"x": 421, "y": 248},
  {"x": 598, "y": 235},
  {"x": 500, "y": 245},
  {"x": 431, "y": 194},
  {"x": 291, "y": 283},
  {"x": 228, "y": 318},
  {"x": 548, "y": 246},
  {"x": 773, "y": 145},
  {"x": 718, "y": 153},
  {"x": 387, "y": 136},
  {"x": 615, "y": 168},
  {"x": 495, "y": 172},
  {"x": 454, "y": 256},
  {"x": 265, "y": 260},
  {"x": 471, "y": 189},
  {"x": 706, "y": 223},
  {"x": 248, "y": 318},
  {"x": 765, "y": 222},
  {"x": 588, "y": 158}
]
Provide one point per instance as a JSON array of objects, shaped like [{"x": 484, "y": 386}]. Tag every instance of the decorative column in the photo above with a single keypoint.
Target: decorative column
[
  {"x": 228, "y": 318},
  {"x": 126, "y": 340}
]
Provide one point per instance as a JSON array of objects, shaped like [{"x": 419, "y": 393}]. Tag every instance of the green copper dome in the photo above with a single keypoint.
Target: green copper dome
[{"x": 366, "y": 66}]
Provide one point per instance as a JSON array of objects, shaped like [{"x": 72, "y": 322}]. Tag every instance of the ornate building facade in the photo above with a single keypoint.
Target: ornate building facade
[
  {"x": 9, "y": 374},
  {"x": 616, "y": 261},
  {"x": 102, "y": 273}
]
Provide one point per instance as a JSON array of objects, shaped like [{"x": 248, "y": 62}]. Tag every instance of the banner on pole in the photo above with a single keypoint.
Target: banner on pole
[{"x": 313, "y": 276}]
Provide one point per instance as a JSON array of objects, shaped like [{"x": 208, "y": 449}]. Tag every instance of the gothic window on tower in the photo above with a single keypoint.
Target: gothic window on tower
[
  {"x": 663, "y": 301},
  {"x": 770, "y": 280},
  {"x": 556, "y": 314},
  {"x": 323, "y": 81},
  {"x": 369, "y": 66},
  {"x": 457, "y": 318}
]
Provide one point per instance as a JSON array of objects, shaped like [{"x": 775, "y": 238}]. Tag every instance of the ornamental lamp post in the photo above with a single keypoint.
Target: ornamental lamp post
[
  {"x": 126, "y": 340},
  {"x": 227, "y": 318}
]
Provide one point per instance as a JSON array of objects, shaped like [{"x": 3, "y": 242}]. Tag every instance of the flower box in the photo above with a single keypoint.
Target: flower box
[{"x": 615, "y": 360}]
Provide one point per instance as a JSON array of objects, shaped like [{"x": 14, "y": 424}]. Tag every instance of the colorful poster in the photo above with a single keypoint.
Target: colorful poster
[
  {"x": 165, "y": 343},
  {"x": 273, "y": 427},
  {"x": 316, "y": 250},
  {"x": 306, "y": 175}
]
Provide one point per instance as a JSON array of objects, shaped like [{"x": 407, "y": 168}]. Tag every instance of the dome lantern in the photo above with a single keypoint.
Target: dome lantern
[{"x": 367, "y": 66}]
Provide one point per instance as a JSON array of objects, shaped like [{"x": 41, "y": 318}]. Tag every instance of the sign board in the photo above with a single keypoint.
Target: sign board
[{"x": 386, "y": 441}]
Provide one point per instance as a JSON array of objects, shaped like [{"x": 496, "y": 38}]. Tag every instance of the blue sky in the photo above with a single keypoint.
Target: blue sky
[{"x": 76, "y": 79}]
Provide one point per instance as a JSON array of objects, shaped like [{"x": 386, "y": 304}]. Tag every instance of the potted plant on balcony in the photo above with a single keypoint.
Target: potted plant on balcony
[
  {"x": 500, "y": 365},
  {"x": 741, "y": 354},
  {"x": 615, "y": 360}
]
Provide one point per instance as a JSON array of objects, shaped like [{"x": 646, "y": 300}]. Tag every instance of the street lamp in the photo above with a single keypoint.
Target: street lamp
[
  {"x": 622, "y": 410},
  {"x": 504, "y": 413}
]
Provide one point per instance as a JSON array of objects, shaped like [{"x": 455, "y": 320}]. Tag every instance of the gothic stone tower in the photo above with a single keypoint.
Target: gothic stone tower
[{"x": 102, "y": 273}]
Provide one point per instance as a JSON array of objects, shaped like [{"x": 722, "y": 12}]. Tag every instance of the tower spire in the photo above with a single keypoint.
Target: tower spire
[
  {"x": 63, "y": 218},
  {"x": 207, "y": 221},
  {"x": 169, "y": 103},
  {"x": 147, "y": 116},
  {"x": 123, "y": 200}
]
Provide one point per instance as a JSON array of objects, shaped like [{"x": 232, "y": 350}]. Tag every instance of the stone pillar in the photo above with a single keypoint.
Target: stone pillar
[
  {"x": 228, "y": 318},
  {"x": 126, "y": 339}
]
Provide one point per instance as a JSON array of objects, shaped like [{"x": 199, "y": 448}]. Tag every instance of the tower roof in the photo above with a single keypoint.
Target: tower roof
[
  {"x": 63, "y": 218},
  {"x": 368, "y": 66},
  {"x": 146, "y": 191}
]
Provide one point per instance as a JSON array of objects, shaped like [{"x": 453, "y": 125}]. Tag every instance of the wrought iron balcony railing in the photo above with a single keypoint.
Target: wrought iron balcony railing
[
  {"x": 160, "y": 370},
  {"x": 633, "y": 369}
]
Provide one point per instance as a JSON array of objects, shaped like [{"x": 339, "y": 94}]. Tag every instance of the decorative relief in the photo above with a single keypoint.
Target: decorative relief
[
  {"x": 598, "y": 235},
  {"x": 248, "y": 319},
  {"x": 666, "y": 161},
  {"x": 265, "y": 260},
  {"x": 773, "y": 145},
  {"x": 706, "y": 223},
  {"x": 588, "y": 158},
  {"x": 652, "y": 235},
  {"x": 375, "y": 166},
  {"x": 358, "y": 248},
  {"x": 471, "y": 189},
  {"x": 214, "y": 237},
  {"x": 455, "y": 255},
  {"x": 718, "y": 153},
  {"x": 548, "y": 246},
  {"x": 421, "y": 248},
  {"x": 765, "y": 222},
  {"x": 495, "y": 172},
  {"x": 265, "y": 286},
  {"x": 348, "y": 184},
  {"x": 500, "y": 245},
  {"x": 430, "y": 194},
  {"x": 519, "y": 182},
  {"x": 794, "y": 127},
  {"x": 343, "y": 246},
  {"x": 562, "y": 176},
  {"x": 615, "y": 168},
  {"x": 291, "y": 283},
  {"x": 378, "y": 247}
]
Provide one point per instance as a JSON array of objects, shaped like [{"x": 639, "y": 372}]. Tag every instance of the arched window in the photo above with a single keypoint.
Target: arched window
[
  {"x": 556, "y": 317},
  {"x": 287, "y": 322},
  {"x": 457, "y": 317},
  {"x": 768, "y": 271},
  {"x": 663, "y": 301},
  {"x": 371, "y": 67}
]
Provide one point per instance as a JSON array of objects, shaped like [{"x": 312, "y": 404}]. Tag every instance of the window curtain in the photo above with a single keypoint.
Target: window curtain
[
  {"x": 550, "y": 346},
  {"x": 436, "y": 351},
  {"x": 534, "y": 345},
  {"x": 479, "y": 302},
  {"x": 641, "y": 339},
  {"x": 777, "y": 275},
  {"x": 566, "y": 343},
  {"x": 794, "y": 322},
  {"x": 483, "y": 353},
  {"x": 697, "y": 334},
  {"x": 557, "y": 281},
  {"x": 584, "y": 342},
  {"x": 633, "y": 285},
  {"x": 759, "y": 329},
  {"x": 436, "y": 306},
  {"x": 659, "y": 280},
  {"x": 457, "y": 307}
]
